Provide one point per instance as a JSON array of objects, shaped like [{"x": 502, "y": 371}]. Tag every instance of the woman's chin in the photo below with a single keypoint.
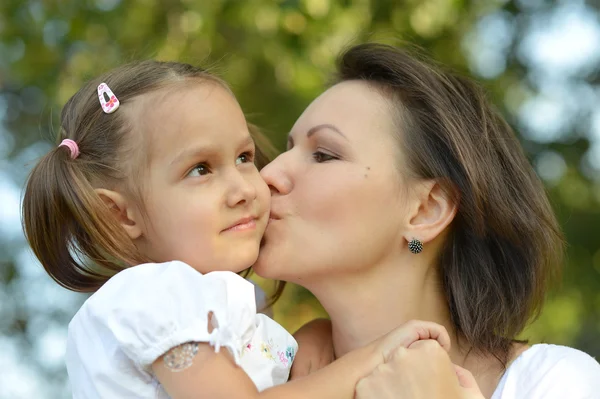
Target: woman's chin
[
  {"x": 265, "y": 265},
  {"x": 260, "y": 266}
]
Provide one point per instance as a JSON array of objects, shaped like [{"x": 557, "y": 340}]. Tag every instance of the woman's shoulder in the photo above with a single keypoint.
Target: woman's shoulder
[{"x": 550, "y": 371}]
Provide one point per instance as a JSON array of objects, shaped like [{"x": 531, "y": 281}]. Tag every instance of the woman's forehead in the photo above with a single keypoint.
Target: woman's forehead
[{"x": 348, "y": 105}]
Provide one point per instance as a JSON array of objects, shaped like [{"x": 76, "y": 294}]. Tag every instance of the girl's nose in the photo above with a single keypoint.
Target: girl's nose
[{"x": 242, "y": 190}]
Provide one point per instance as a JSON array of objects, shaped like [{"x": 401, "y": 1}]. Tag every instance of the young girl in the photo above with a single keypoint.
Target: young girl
[{"x": 152, "y": 200}]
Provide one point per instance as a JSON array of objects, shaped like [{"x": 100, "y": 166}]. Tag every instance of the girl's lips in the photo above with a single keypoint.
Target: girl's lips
[{"x": 243, "y": 225}]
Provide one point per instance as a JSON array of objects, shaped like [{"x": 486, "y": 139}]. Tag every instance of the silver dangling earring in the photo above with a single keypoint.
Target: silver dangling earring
[{"x": 415, "y": 246}]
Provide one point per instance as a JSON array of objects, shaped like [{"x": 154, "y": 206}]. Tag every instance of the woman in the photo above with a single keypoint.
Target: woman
[{"x": 404, "y": 195}]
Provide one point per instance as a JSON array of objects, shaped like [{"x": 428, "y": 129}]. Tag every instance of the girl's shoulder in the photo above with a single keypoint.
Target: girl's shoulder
[
  {"x": 150, "y": 308},
  {"x": 550, "y": 371},
  {"x": 152, "y": 287},
  {"x": 155, "y": 275}
]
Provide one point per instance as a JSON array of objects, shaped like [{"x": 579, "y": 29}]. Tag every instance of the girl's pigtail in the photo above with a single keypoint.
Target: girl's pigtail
[{"x": 71, "y": 231}]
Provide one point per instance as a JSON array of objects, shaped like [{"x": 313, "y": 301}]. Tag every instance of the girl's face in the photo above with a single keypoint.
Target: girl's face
[
  {"x": 337, "y": 202},
  {"x": 204, "y": 201}
]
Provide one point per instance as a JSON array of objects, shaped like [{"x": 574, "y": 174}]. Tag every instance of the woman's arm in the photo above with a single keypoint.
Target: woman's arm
[
  {"x": 215, "y": 375},
  {"x": 315, "y": 348}
]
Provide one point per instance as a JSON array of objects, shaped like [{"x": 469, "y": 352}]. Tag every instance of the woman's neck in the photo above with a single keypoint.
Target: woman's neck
[
  {"x": 363, "y": 307},
  {"x": 366, "y": 306}
]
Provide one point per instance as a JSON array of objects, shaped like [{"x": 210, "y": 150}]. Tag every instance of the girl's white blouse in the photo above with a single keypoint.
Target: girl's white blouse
[{"x": 144, "y": 311}]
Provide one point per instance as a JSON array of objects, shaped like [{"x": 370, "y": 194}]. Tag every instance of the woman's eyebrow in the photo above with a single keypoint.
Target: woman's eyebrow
[
  {"x": 329, "y": 126},
  {"x": 315, "y": 129}
]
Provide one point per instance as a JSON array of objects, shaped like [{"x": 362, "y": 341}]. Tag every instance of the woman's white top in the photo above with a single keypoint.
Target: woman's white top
[
  {"x": 144, "y": 311},
  {"x": 550, "y": 372}
]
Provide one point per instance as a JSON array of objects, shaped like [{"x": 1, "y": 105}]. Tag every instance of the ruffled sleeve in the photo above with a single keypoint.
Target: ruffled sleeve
[{"x": 148, "y": 309}]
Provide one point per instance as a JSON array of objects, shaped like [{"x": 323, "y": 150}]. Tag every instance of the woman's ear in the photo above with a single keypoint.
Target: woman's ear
[
  {"x": 122, "y": 209},
  {"x": 434, "y": 209}
]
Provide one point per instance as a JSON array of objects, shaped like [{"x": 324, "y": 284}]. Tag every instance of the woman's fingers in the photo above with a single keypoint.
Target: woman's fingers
[
  {"x": 421, "y": 371},
  {"x": 468, "y": 383},
  {"x": 426, "y": 330},
  {"x": 465, "y": 378},
  {"x": 412, "y": 332}
]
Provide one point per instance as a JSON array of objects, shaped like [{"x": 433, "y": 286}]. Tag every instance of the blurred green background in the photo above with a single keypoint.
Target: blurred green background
[{"x": 539, "y": 59}]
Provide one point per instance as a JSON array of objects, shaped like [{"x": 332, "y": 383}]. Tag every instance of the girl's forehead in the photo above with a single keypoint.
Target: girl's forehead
[
  {"x": 205, "y": 116},
  {"x": 169, "y": 109}
]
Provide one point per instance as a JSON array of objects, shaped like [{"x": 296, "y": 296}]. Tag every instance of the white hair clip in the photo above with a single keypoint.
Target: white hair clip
[{"x": 108, "y": 100}]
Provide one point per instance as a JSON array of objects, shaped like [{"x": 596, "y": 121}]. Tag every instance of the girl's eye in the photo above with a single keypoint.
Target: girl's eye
[
  {"x": 199, "y": 170},
  {"x": 321, "y": 157},
  {"x": 245, "y": 157}
]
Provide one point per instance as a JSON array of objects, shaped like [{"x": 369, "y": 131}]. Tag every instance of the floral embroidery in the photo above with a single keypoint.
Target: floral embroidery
[
  {"x": 271, "y": 351},
  {"x": 247, "y": 348},
  {"x": 282, "y": 358},
  {"x": 286, "y": 357},
  {"x": 289, "y": 353},
  {"x": 265, "y": 348}
]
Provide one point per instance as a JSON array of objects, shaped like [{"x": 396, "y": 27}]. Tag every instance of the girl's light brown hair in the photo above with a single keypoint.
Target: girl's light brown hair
[
  {"x": 505, "y": 244},
  {"x": 70, "y": 229}
]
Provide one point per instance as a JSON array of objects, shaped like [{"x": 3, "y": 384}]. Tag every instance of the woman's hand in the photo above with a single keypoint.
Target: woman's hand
[{"x": 421, "y": 371}]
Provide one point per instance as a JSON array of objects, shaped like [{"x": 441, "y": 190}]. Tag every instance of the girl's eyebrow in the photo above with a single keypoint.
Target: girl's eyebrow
[
  {"x": 194, "y": 152},
  {"x": 207, "y": 150}
]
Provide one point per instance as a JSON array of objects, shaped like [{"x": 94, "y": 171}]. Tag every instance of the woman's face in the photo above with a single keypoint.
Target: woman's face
[{"x": 337, "y": 196}]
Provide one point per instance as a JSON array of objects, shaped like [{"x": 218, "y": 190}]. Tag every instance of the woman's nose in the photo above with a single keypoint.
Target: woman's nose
[{"x": 277, "y": 175}]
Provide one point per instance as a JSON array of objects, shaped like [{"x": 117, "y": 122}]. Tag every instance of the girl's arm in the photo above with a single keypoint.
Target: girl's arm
[{"x": 215, "y": 375}]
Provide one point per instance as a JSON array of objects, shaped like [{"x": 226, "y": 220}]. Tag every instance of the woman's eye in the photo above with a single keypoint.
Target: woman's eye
[
  {"x": 246, "y": 157},
  {"x": 199, "y": 170},
  {"x": 320, "y": 157}
]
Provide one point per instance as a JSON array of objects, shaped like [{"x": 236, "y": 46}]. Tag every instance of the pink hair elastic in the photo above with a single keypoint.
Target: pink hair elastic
[{"x": 73, "y": 147}]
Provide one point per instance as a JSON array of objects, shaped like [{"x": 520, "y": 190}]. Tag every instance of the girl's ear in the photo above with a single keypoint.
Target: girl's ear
[{"x": 126, "y": 213}]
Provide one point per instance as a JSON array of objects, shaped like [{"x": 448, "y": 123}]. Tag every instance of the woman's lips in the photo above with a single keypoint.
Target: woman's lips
[{"x": 274, "y": 216}]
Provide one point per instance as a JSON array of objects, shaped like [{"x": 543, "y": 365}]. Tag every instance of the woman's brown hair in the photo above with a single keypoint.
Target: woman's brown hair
[
  {"x": 70, "y": 229},
  {"x": 505, "y": 244}
]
